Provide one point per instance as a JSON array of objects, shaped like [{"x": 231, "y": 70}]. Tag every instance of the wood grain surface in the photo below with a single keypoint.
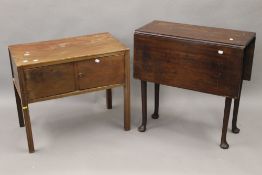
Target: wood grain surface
[
  {"x": 194, "y": 32},
  {"x": 64, "y": 50},
  {"x": 101, "y": 72},
  {"x": 189, "y": 65},
  {"x": 49, "y": 80}
]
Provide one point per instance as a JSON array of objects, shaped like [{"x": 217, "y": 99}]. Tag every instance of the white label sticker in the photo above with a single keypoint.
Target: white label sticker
[{"x": 220, "y": 52}]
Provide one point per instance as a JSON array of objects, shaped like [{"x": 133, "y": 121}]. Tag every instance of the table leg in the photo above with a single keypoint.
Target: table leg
[
  {"x": 235, "y": 129},
  {"x": 109, "y": 98},
  {"x": 155, "y": 115},
  {"x": 28, "y": 127},
  {"x": 142, "y": 128},
  {"x": 224, "y": 144},
  {"x": 19, "y": 108}
]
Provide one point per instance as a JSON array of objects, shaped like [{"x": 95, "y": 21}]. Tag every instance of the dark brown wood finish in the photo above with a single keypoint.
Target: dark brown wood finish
[
  {"x": 16, "y": 86},
  {"x": 248, "y": 60},
  {"x": 199, "y": 68},
  {"x": 198, "y": 33},
  {"x": 111, "y": 71},
  {"x": 127, "y": 113},
  {"x": 205, "y": 59},
  {"x": 19, "y": 108},
  {"x": 28, "y": 128},
  {"x": 59, "y": 68},
  {"x": 155, "y": 115},
  {"x": 142, "y": 128},
  {"x": 109, "y": 98},
  {"x": 49, "y": 80},
  {"x": 235, "y": 129},
  {"x": 224, "y": 144}
]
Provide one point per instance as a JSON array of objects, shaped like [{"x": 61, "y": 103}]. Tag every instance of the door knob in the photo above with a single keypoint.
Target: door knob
[
  {"x": 97, "y": 60},
  {"x": 80, "y": 75}
]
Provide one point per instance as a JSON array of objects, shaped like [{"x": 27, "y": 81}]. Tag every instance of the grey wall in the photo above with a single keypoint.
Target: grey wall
[{"x": 34, "y": 20}]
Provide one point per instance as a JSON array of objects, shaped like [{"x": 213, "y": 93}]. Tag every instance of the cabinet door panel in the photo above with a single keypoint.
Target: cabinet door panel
[
  {"x": 50, "y": 80},
  {"x": 99, "y": 72}
]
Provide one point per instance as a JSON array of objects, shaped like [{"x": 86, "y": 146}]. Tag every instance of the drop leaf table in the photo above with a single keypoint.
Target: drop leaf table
[{"x": 204, "y": 59}]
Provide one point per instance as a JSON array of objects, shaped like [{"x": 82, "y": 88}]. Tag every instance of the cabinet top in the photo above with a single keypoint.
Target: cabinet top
[
  {"x": 64, "y": 50},
  {"x": 201, "y": 33}
]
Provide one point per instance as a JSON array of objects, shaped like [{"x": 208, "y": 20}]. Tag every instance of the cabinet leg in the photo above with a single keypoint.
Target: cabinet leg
[
  {"x": 19, "y": 108},
  {"x": 235, "y": 129},
  {"x": 142, "y": 128},
  {"x": 109, "y": 98},
  {"x": 127, "y": 107},
  {"x": 28, "y": 128},
  {"x": 224, "y": 144},
  {"x": 127, "y": 92},
  {"x": 155, "y": 115}
]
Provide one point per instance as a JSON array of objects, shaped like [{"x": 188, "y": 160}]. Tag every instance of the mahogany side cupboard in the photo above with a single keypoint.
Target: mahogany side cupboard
[
  {"x": 204, "y": 59},
  {"x": 58, "y": 68}
]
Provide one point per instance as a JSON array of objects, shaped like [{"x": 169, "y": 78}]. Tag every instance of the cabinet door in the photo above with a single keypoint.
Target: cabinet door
[
  {"x": 209, "y": 68},
  {"x": 50, "y": 80},
  {"x": 99, "y": 72}
]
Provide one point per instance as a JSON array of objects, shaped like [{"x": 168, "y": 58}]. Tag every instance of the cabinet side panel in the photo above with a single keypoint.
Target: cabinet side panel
[{"x": 15, "y": 75}]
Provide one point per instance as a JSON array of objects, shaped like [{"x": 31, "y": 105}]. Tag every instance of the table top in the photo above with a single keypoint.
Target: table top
[
  {"x": 206, "y": 34},
  {"x": 64, "y": 50}
]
